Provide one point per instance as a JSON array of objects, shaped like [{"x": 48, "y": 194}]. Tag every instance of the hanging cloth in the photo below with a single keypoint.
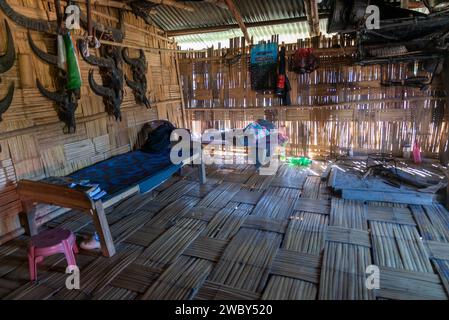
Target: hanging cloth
[
  {"x": 62, "y": 61},
  {"x": 73, "y": 70},
  {"x": 303, "y": 61},
  {"x": 283, "y": 84},
  {"x": 264, "y": 58}
]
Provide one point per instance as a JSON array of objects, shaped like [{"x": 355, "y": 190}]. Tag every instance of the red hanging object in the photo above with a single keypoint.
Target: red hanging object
[
  {"x": 417, "y": 152},
  {"x": 304, "y": 61}
]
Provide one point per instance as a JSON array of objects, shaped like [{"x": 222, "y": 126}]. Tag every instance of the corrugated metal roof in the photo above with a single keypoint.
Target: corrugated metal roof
[
  {"x": 288, "y": 33},
  {"x": 209, "y": 15}
]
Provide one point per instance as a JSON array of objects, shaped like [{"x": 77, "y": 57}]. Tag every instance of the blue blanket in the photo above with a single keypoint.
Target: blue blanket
[{"x": 124, "y": 171}]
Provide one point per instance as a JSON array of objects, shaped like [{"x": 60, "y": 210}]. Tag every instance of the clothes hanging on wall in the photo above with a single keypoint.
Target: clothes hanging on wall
[
  {"x": 264, "y": 59},
  {"x": 303, "y": 61},
  {"x": 283, "y": 84}
]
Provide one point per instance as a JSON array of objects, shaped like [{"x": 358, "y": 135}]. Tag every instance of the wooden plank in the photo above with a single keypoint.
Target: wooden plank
[{"x": 54, "y": 195}]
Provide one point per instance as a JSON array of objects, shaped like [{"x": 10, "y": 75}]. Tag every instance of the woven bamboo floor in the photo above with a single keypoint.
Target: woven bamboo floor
[{"x": 246, "y": 236}]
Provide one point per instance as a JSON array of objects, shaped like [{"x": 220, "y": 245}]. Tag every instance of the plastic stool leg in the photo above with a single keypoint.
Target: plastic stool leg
[
  {"x": 76, "y": 250},
  {"x": 68, "y": 252}
]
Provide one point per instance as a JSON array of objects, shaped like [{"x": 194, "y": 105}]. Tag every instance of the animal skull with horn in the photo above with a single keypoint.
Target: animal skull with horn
[
  {"x": 66, "y": 100},
  {"x": 6, "y": 63},
  {"x": 111, "y": 74},
  {"x": 52, "y": 26},
  {"x": 139, "y": 83}
]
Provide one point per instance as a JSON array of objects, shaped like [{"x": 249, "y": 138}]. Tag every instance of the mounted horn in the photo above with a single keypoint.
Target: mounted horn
[
  {"x": 93, "y": 60},
  {"x": 133, "y": 84},
  {"x": 48, "y": 58},
  {"x": 99, "y": 90},
  {"x": 6, "y": 102},
  {"x": 139, "y": 71},
  {"x": 112, "y": 98},
  {"x": 29, "y": 23},
  {"x": 7, "y": 60},
  {"x": 67, "y": 102},
  {"x": 134, "y": 62},
  {"x": 48, "y": 94},
  {"x": 52, "y": 26}
]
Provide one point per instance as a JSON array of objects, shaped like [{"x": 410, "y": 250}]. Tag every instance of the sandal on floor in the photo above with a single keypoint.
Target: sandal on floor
[{"x": 90, "y": 244}]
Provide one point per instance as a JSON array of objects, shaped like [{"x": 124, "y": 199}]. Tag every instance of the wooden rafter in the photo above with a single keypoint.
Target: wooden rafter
[
  {"x": 238, "y": 17},
  {"x": 311, "y": 7},
  {"x": 125, "y": 6}
]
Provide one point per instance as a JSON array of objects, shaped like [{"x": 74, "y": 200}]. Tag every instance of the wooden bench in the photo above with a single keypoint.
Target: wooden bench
[{"x": 34, "y": 192}]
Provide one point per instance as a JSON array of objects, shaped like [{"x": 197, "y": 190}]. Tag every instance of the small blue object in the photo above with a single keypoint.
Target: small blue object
[
  {"x": 100, "y": 195},
  {"x": 97, "y": 238}
]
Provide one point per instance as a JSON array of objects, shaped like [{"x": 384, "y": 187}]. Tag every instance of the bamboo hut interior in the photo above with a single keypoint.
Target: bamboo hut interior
[{"x": 358, "y": 120}]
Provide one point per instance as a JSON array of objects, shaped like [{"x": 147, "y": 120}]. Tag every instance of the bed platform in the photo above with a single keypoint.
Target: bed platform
[{"x": 121, "y": 177}]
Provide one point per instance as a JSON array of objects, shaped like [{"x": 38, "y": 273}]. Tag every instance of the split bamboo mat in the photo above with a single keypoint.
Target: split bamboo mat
[
  {"x": 338, "y": 106},
  {"x": 279, "y": 237},
  {"x": 32, "y": 142}
]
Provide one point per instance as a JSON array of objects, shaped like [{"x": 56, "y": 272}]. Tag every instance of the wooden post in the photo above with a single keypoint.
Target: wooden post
[
  {"x": 102, "y": 228},
  {"x": 238, "y": 17},
  {"x": 447, "y": 197},
  {"x": 311, "y": 8},
  {"x": 28, "y": 217},
  {"x": 202, "y": 168},
  {"x": 447, "y": 189}
]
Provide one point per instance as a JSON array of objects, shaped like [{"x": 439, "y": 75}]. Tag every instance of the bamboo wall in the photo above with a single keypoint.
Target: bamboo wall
[
  {"x": 31, "y": 136},
  {"x": 340, "y": 105}
]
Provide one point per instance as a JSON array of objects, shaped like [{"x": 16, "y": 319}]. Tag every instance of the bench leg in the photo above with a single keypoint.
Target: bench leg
[
  {"x": 102, "y": 228},
  {"x": 447, "y": 197},
  {"x": 28, "y": 218},
  {"x": 202, "y": 172}
]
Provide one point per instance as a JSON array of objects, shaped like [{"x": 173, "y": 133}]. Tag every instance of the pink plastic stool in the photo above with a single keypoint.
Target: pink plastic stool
[{"x": 48, "y": 243}]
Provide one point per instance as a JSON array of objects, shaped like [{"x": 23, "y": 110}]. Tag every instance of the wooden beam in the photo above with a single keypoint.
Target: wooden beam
[
  {"x": 311, "y": 7},
  {"x": 218, "y": 3},
  {"x": 123, "y": 5},
  {"x": 174, "y": 4},
  {"x": 238, "y": 17},
  {"x": 183, "y": 32}
]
